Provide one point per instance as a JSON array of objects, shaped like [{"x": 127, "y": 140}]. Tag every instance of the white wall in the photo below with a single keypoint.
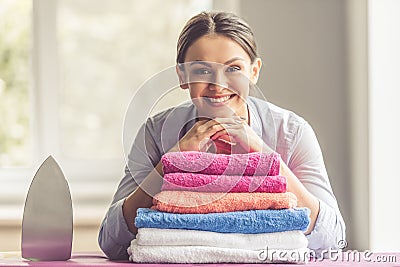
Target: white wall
[{"x": 384, "y": 55}]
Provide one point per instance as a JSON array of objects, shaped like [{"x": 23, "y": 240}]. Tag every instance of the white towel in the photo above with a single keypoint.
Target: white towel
[
  {"x": 179, "y": 237},
  {"x": 206, "y": 254}
]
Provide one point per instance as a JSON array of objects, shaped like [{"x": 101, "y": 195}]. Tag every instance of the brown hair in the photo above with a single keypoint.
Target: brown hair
[{"x": 223, "y": 23}]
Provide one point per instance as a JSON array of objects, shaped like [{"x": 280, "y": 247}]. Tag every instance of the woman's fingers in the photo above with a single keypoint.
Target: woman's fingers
[
  {"x": 230, "y": 133},
  {"x": 212, "y": 126},
  {"x": 222, "y": 147},
  {"x": 215, "y": 128},
  {"x": 222, "y": 121},
  {"x": 228, "y": 122},
  {"x": 228, "y": 130},
  {"x": 205, "y": 144},
  {"x": 226, "y": 138},
  {"x": 199, "y": 136}
]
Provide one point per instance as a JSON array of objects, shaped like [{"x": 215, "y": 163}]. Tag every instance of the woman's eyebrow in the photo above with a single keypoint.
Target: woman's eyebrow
[
  {"x": 200, "y": 62},
  {"x": 234, "y": 59},
  {"x": 207, "y": 64}
]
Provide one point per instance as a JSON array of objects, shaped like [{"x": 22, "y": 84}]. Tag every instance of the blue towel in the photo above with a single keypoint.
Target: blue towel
[{"x": 246, "y": 222}]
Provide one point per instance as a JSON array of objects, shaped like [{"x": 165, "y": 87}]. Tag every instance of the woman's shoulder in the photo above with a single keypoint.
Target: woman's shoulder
[
  {"x": 176, "y": 112},
  {"x": 281, "y": 116},
  {"x": 172, "y": 117},
  {"x": 288, "y": 125}
]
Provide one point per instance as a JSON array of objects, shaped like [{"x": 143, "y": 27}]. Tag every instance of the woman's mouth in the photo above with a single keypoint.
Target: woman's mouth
[{"x": 219, "y": 100}]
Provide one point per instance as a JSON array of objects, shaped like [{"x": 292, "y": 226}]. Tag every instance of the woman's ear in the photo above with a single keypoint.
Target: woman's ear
[
  {"x": 255, "y": 70},
  {"x": 181, "y": 76}
]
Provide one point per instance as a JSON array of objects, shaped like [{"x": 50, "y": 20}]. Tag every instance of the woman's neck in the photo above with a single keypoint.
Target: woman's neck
[{"x": 243, "y": 113}]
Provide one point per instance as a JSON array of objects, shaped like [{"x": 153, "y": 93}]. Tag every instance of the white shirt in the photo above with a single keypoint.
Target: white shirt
[{"x": 290, "y": 135}]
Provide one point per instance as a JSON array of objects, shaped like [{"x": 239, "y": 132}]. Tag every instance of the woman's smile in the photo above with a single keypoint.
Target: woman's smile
[{"x": 217, "y": 101}]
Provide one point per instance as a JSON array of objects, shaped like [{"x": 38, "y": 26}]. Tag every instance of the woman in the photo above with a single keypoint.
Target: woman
[{"x": 215, "y": 51}]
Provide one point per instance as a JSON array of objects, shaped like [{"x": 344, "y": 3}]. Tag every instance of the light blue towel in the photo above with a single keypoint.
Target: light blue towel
[{"x": 246, "y": 222}]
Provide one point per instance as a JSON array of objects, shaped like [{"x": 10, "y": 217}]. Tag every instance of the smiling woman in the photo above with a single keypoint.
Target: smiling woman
[{"x": 217, "y": 62}]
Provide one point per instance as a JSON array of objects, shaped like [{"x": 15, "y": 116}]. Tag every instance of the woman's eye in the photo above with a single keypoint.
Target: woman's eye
[
  {"x": 202, "y": 71},
  {"x": 233, "y": 69}
]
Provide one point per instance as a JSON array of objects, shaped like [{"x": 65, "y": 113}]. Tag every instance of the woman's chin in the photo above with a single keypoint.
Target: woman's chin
[
  {"x": 225, "y": 111},
  {"x": 217, "y": 113}
]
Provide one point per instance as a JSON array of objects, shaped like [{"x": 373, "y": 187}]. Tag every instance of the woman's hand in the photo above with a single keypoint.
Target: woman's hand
[
  {"x": 198, "y": 138},
  {"x": 226, "y": 135},
  {"x": 244, "y": 138}
]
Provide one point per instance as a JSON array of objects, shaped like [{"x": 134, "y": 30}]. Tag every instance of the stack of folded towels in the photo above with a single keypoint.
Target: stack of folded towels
[{"x": 217, "y": 208}]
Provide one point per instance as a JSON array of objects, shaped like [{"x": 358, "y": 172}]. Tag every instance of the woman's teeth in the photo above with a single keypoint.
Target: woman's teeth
[{"x": 219, "y": 99}]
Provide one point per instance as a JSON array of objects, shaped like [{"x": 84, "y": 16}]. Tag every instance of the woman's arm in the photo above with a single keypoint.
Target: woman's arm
[
  {"x": 304, "y": 197},
  {"x": 142, "y": 197},
  {"x": 306, "y": 173},
  {"x": 118, "y": 228},
  {"x": 114, "y": 234}
]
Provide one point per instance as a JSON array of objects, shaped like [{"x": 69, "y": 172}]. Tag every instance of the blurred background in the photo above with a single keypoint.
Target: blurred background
[{"x": 68, "y": 69}]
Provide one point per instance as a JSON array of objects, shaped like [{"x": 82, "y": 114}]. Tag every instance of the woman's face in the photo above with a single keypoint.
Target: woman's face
[{"x": 218, "y": 71}]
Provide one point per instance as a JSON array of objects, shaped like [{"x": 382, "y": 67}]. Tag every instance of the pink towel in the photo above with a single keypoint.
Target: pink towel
[
  {"x": 208, "y": 163},
  {"x": 223, "y": 183},
  {"x": 200, "y": 202}
]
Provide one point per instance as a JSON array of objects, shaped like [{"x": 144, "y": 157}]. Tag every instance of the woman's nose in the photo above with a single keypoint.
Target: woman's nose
[
  {"x": 219, "y": 82},
  {"x": 216, "y": 87}
]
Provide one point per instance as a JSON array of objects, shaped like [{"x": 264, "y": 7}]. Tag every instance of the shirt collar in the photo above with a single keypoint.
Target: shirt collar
[{"x": 255, "y": 120}]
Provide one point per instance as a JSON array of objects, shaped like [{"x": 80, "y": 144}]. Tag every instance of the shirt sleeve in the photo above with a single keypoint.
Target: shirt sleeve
[
  {"x": 307, "y": 163},
  {"x": 114, "y": 236}
]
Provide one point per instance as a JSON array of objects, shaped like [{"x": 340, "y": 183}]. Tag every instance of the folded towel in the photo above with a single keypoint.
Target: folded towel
[
  {"x": 206, "y": 254},
  {"x": 223, "y": 183},
  {"x": 204, "y": 202},
  {"x": 180, "y": 237},
  {"x": 246, "y": 222},
  {"x": 208, "y": 163}
]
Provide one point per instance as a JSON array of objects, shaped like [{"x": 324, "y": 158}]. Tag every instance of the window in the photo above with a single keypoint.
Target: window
[
  {"x": 105, "y": 55},
  {"x": 384, "y": 127},
  {"x": 15, "y": 36},
  {"x": 68, "y": 69}
]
